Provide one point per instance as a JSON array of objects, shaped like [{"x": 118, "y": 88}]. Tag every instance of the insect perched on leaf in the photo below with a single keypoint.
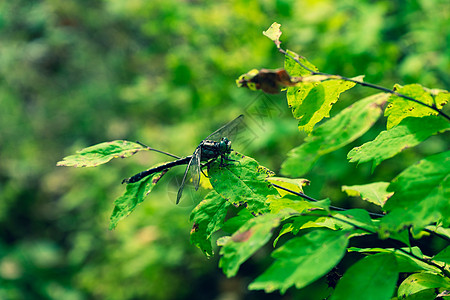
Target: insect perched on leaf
[{"x": 216, "y": 145}]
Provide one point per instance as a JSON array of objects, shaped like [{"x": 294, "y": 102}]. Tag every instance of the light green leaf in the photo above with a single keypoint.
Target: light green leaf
[
  {"x": 400, "y": 108},
  {"x": 274, "y": 33},
  {"x": 312, "y": 101},
  {"x": 302, "y": 260},
  {"x": 443, "y": 256},
  {"x": 409, "y": 133},
  {"x": 342, "y": 129},
  {"x": 293, "y": 203},
  {"x": 246, "y": 241},
  {"x": 134, "y": 195},
  {"x": 295, "y": 69},
  {"x": 208, "y": 217},
  {"x": 375, "y": 192},
  {"x": 293, "y": 184},
  {"x": 247, "y": 180},
  {"x": 421, "y": 195},
  {"x": 101, "y": 153},
  {"x": 418, "y": 282},
  {"x": 374, "y": 276}
]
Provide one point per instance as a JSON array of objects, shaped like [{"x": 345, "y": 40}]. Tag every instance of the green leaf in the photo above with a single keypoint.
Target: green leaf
[
  {"x": 342, "y": 129},
  {"x": 295, "y": 69},
  {"x": 375, "y": 192},
  {"x": 234, "y": 223},
  {"x": 400, "y": 108},
  {"x": 421, "y": 194},
  {"x": 274, "y": 33},
  {"x": 247, "y": 240},
  {"x": 134, "y": 195},
  {"x": 374, "y": 276},
  {"x": 348, "y": 219},
  {"x": 418, "y": 282},
  {"x": 405, "y": 262},
  {"x": 242, "y": 182},
  {"x": 101, "y": 153},
  {"x": 294, "y": 204},
  {"x": 293, "y": 184},
  {"x": 312, "y": 101},
  {"x": 208, "y": 217},
  {"x": 302, "y": 260},
  {"x": 409, "y": 133},
  {"x": 443, "y": 256}
]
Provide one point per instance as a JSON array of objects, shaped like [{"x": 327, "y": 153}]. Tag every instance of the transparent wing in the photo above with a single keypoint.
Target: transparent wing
[
  {"x": 195, "y": 164},
  {"x": 228, "y": 130}
]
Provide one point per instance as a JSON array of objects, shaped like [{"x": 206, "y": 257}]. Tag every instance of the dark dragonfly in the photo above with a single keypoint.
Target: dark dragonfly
[{"x": 212, "y": 147}]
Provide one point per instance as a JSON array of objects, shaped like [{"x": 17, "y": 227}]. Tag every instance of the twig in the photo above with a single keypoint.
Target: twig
[
  {"x": 433, "y": 107},
  {"x": 315, "y": 200}
]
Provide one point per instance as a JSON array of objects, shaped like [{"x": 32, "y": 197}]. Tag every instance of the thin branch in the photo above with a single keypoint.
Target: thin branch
[
  {"x": 374, "y": 86},
  {"x": 159, "y": 151},
  {"x": 426, "y": 261},
  {"x": 315, "y": 200}
]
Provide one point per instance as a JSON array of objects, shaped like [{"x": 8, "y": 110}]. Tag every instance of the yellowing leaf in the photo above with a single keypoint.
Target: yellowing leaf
[
  {"x": 274, "y": 33},
  {"x": 400, "y": 108},
  {"x": 375, "y": 193}
]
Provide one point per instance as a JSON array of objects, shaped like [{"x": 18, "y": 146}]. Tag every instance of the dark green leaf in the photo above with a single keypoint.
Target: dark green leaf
[
  {"x": 101, "y": 153},
  {"x": 405, "y": 262},
  {"x": 242, "y": 182},
  {"x": 421, "y": 195},
  {"x": 302, "y": 260},
  {"x": 208, "y": 217},
  {"x": 409, "y": 133},
  {"x": 134, "y": 195},
  {"x": 234, "y": 223},
  {"x": 418, "y": 282},
  {"x": 443, "y": 256},
  {"x": 246, "y": 241},
  {"x": 400, "y": 108},
  {"x": 375, "y": 192},
  {"x": 374, "y": 277},
  {"x": 342, "y": 129}
]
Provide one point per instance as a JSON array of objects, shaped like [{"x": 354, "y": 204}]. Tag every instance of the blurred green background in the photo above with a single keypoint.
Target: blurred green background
[{"x": 77, "y": 73}]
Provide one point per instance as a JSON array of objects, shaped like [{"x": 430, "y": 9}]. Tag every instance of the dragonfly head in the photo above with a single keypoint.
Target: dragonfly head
[{"x": 224, "y": 146}]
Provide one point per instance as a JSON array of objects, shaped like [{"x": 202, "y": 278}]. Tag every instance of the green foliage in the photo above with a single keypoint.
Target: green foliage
[
  {"x": 315, "y": 235},
  {"x": 302, "y": 260},
  {"x": 162, "y": 72},
  {"x": 344, "y": 128},
  {"x": 101, "y": 154},
  {"x": 375, "y": 192},
  {"x": 409, "y": 133},
  {"x": 374, "y": 277}
]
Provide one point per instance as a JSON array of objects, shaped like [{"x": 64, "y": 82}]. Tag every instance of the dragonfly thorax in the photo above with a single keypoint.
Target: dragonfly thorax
[{"x": 212, "y": 149}]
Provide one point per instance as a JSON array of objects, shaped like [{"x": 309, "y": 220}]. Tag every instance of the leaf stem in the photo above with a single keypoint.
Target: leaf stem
[
  {"x": 315, "y": 200},
  {"x": 159, "y": 151},
  {"x": 371, "y": 85}
]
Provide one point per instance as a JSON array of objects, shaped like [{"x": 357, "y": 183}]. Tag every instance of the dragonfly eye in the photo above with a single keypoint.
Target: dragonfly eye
[{"x": 225, "y": 145}]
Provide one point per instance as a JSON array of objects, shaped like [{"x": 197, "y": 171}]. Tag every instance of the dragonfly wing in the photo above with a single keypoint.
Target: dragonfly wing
[
  {"x": 228, "y": 130},
  {"x": 196, "y": 168},
  {"x": 190, "y": 164}
]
